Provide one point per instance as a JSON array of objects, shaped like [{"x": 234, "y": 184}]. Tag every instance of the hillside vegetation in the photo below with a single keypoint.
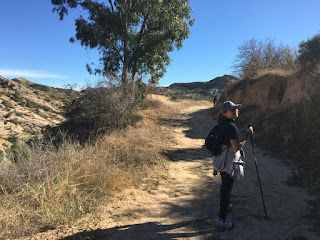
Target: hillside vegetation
[{"x": 26, "y": 107}]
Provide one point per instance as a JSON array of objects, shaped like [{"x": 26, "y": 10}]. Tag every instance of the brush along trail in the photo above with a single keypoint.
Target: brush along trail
[{"x": 185, "y": 203}]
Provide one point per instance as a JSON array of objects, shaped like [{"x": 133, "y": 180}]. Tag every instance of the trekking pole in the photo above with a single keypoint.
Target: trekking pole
[{"x": 255, "y": 161}]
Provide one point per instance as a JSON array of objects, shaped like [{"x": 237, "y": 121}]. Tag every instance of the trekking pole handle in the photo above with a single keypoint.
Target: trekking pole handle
[
  {"x": 251, "y": 140},
  {"x": 250, "y": 126}
]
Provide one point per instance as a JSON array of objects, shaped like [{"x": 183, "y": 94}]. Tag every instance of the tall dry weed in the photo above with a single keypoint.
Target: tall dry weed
[
  {"x": 57, "y": 186},
  {"x": 277, "y": 72}
]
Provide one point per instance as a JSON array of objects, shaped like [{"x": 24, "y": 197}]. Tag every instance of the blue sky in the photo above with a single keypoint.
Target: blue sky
[{"x": 34, "y": 44}]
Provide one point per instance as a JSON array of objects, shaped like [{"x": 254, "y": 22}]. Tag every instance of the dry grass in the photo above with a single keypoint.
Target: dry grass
[
  {"x": 277, "y": 72},
  {"x": 49, "y": 187}
]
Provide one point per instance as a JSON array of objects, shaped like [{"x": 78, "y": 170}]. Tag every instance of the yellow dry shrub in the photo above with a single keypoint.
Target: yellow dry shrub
[{"x": 277, "y": 72}]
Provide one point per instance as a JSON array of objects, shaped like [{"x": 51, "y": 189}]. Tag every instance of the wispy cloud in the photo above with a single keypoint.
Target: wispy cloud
[{"x": 5, "y": 72}]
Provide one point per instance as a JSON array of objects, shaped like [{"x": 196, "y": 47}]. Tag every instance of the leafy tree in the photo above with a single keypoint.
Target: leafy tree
[
  {"x": 133, "y": 37},
  {"x": 309, "y": 52}
]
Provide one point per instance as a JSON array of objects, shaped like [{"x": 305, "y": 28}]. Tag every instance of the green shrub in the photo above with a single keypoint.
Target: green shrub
[
  {"x": 3, "y": 83},
  {"x": 18, "y": 152},
  {"x": 1, "y": 156},
  {"x": 7, "y": 115},
  {"x": 31, "y": 104},
  {"x": 19, "y": 114},
  {"x": 178, "y": 96},
  {"x": 14, "y": 120},
  {"x": 310, "y": 52},
  {"x": 12, "y": 139},
  {"x": 53, "y": 96},
  {"x": 174, "y": 97},
  {"x": 32, "y": 132},
  {"x": 6, "y": 103},
  {"x": 40, "y": 87},
  {"x": 16, "y": 96}
]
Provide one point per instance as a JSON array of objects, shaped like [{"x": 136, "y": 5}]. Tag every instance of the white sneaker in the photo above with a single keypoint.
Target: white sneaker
[{"x": 224, "y": 224}]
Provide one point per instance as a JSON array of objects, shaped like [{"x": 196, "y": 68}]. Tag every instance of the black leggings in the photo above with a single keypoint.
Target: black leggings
[
  {"x": 225, "y": 194},
  {"x": 214, "y": 101}
]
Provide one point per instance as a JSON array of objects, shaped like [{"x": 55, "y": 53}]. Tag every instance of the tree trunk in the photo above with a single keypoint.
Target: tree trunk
[
  {"x": 125, "y": 69},
  {"x": 133, "y": 82}
]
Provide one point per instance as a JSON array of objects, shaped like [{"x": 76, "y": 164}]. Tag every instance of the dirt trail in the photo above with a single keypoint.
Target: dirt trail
[{"x": 185, "y": 205}]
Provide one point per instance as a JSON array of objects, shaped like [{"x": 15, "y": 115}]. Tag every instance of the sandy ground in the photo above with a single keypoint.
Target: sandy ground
[{"x": 185, "y": 205}]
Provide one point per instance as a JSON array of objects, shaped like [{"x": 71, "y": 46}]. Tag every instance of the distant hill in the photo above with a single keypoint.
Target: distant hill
[
  {"x": 25, "y": 107},
  {"x": 219, "y": 83},
  {"x": 201, "y": 88}
]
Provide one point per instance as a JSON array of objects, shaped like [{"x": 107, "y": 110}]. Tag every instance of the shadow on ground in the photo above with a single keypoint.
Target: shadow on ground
[
  {"x": 154, "y": 231},
  {"x": 188, "y": 154},
  {"x": 198, "y": 126},
  {"x": 198, "y": 123}
]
